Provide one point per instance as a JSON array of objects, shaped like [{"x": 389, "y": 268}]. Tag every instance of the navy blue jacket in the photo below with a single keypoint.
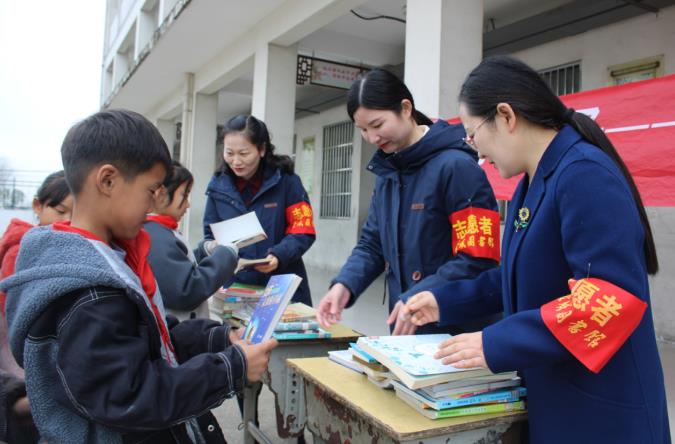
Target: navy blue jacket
[
  {"x": 408, "y": 232},
  {"x": 583, "y": 222},
  {"x": 272, "y": 204}
]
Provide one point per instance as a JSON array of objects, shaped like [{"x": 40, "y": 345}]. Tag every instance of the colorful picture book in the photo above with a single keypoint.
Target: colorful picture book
[
  {"x": 318, "y": 333},
  {"x": 295, "y": 326},
  {"x": 450, "y": 402},
  {"x": 461, "y": 411},
  {"x": 473, "y": 388},
  {"x": 344, "y": 358},
  {"x": 278, "y": 293},
  {"x": 242, "y": 230},
  {"x": 410, "y": 359},
  {"x": 299, "y": 312}
]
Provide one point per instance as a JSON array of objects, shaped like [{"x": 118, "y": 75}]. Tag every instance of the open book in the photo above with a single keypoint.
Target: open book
[
  {"x": 410, "y": 359},
  {"x": 278, "y": 293},
  {"x": 242, "y": 230}
]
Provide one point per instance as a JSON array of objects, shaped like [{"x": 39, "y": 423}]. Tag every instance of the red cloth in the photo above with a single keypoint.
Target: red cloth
[
  {"x": 9, "y": 250},
  {"x": 594, "y": 320},
  {"x": 639, "y": 119},
  {"x": 249, "y": 188},
  {"x": 136, "y": 258},
  {"x": 163, "y": 219}
]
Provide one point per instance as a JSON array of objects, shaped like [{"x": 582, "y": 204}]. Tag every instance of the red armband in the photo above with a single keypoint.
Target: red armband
[
  {"x": 299, "y": 219},
  {"x": 475, "y": 231},
  {"x": 594, "y": 320}
]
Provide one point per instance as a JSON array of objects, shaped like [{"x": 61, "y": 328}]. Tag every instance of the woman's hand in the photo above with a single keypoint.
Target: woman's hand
[
  {"x": 330, "y": 308},
  {"x": 421, "y": 309},
  {"x": 404, "y": 325},
  {"x": 463, "y": 351},
  {"x": 270, "y": 266}
]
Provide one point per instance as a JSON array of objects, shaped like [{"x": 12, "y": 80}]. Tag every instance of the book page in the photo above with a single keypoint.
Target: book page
[{"x": 242, "y": 230}]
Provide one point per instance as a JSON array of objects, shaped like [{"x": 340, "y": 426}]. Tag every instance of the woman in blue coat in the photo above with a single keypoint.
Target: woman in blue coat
[
  {"x": 432, "y": 217},
  {"x": 253, "y": 178},
  {"x": 577, "y": 251}
]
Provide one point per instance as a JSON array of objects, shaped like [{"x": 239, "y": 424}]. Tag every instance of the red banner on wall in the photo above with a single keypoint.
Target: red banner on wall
[{"x": 639, "y": 119}]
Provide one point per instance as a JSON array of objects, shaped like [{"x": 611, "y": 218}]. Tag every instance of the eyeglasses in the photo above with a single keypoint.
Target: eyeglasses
[{"x": 469, "y": 139}]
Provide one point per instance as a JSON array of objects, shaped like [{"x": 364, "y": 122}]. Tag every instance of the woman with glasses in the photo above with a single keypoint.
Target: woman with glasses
[
  {"x": 432, "y": 216},
  {"x": 573, "y": 285}
]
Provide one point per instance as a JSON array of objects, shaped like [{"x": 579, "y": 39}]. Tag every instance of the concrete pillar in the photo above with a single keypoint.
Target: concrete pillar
[
  {"x": 198, "y": 142},
  {"x": 444, "y": 41},
  {"x": 167, "y": 128},
  {"x": 274, "y": 92}
]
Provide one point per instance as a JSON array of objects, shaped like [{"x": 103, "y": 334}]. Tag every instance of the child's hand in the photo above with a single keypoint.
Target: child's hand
[
  {"x": 270, "y": 266},
  {"x": 403, "y": 325},
  {"x": 236, "y": 334},
  {"x": 257, "y": 357}
]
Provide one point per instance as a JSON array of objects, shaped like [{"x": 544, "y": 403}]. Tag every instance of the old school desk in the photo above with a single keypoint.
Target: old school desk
[
  {"x": 287, "y": 385},
  {"x": 343, "y": 407}
]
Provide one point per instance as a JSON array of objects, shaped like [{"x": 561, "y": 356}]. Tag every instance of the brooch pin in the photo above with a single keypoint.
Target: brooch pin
[{"x": 523, "y": 219}]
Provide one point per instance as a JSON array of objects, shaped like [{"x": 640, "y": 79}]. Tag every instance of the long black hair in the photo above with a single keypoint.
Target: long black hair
[
  {"x": 256, "y": 132},
  {"x": 505, "y": 79},
  {"x": 380, "y": 89},
  {"x": 54, "y": 190},
  {"x": 177, "y": 176}
]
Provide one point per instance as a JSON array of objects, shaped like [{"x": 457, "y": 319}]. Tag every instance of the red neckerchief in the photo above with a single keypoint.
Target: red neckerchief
[
  {"x": 136, "y": 258},
  {"x": 163, "y": 219}
]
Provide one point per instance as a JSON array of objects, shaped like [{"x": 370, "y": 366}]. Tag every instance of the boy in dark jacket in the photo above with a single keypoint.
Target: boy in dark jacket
[{"x": 86, "y": 319}]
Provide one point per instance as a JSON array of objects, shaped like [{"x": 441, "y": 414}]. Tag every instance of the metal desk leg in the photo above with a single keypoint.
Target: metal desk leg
[{"x": 250, "y": 407}]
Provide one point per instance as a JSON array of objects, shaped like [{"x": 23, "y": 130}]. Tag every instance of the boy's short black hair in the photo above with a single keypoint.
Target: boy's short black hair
[{"x": 119, "y": 137}]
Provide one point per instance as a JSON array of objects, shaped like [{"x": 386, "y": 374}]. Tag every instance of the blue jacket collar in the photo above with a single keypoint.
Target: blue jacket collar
[
  {"x": 223, "y": 184},
  {"x": 441, "y": 136}
]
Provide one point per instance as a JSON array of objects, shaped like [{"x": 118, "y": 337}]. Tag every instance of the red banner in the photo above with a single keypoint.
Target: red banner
[
  {"x": 639, "y": 119},
  {"x": 299, "y": 219}
]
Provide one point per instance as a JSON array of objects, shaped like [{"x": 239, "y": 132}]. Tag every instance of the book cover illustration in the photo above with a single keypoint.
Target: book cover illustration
[
  {"x": 412, "y": 353},
  {"x": 278, "y": 293}
]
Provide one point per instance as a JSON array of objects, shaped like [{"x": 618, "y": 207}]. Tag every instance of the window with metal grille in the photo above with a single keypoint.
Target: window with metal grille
[
  {"x": 336, "y": 171},
  {"x": 563, "y": 79}
]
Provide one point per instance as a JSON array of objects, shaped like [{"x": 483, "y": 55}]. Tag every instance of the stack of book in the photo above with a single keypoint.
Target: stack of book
[
  {"x": 406, "y": 364},
  {"x": 237, "y": 302},
  {"x": 297, "y": 322}
]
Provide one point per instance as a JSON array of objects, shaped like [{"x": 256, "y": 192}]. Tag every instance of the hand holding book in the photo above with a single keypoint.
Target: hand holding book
[{"x": 272, "y": 263}]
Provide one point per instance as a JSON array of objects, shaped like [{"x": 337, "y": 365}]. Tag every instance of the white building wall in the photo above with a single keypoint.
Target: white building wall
[
  {"x": 335, "y": 238},
  {"x": 637, "y": 38}
]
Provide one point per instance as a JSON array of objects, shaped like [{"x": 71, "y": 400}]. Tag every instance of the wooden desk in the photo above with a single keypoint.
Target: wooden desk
[
  {"x": 343, "y": 407},
  {"x": 286, "y": 385}
]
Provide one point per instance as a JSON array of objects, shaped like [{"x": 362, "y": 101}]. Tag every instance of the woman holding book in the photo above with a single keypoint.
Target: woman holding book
[
  {"x": 573, "y": 282},
  {"x": 253, "y": 178},
  {"x": 432, "y": 217}
]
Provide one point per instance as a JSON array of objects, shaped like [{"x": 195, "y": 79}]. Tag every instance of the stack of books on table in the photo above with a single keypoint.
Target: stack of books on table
[
  {"x": 298, "y": 322},
  {"x": 435, "y": 390},
  {"x": 237, "y": 302}
]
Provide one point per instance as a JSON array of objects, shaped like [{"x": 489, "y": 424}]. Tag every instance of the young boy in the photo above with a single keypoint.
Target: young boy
[{"x": 86, "y": 317}]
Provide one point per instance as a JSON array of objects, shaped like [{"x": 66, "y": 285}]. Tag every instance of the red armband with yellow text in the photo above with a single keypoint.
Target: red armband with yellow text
[
  {"x": 299, "y": 219},
  {"x": 594, "y": 320},
  {"x": 475, "y": 231}
]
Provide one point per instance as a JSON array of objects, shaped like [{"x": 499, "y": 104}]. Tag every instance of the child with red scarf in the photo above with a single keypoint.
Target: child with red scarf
[
  {"x": 52, "y": 203},
  {"x": 85, "y": 314},
  {"x": 185, "y": 277}
]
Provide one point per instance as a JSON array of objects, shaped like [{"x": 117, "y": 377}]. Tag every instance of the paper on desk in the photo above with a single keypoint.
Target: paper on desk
[{"x": 242, "y": 230}]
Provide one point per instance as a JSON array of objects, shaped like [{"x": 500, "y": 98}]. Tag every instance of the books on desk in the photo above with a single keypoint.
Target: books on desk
[
  {"x": 410, "y": 359},
  {"x": 269, "y": 310}
]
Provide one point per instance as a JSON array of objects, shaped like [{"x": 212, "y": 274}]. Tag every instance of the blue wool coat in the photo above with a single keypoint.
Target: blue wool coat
[
  {"x": 583, "y": 222},
  {"x": 408, "y": 234},
  {"x": 278, "y": 192}
]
